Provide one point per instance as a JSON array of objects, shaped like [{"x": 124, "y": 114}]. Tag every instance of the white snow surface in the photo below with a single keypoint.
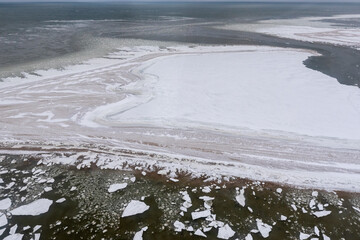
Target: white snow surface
[
  {"x": 135, "y": 207},
  {"x": 261, "y": 90},
  {"x": 34, "y": 208}
]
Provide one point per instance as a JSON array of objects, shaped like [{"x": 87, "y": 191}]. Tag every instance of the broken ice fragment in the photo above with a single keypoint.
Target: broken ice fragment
[
  {"x": 199, "y": 233},
  {"x": 201, "y": 214},
  {"x": 5, "y": 203},
  {"x": 225, "y": 232},
  {"x": 264, "y": 228},
  {"x": 135, "y": 207},
  {"x": 321, "y": 213},
  {"x": 179, "y": 226},
  {"x": 139, "y": 234},
  {"x": 3, "y": 220},
  {"x": 241, "y": 198},
  {"x": 61, "y": 200},
  {"x": 248, "y": 237},
  {"x": 304, "y": 236},
  {"x": 116, "y": 187},
  {"x": 35, "y": 208}
]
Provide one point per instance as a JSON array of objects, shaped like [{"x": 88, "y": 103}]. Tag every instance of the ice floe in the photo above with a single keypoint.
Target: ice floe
[
  {"x": 240, "y": 198},
  {"x": 200, "y": 214},
  {"x": 35, "y": 208},
  {"x": 60, "y": 200},
  {"x": 321, "y": 213},
  {"x": 200, "y": 233},
  {"x": 16, "y": 236},
  {"x": 135, "y": 207},
  {"x": 3, "y": 220},
  {"x": 225, "y": 232},
  {"x": 139, "y": 234},
  {"x": 116, "y": 187},
  {"x": 5, "y": 204},
  {"x": 264, "y": 228},
  {"x": 179, "y": 226}
]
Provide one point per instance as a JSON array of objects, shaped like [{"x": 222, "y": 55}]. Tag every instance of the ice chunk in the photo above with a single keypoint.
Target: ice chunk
[
  {"x": 248, "y": 237},
  {"x": 37, "y": 227},
  {"x": 35, "y": 208},
  {"x": 317, "y": 231},
  {"x": 16, "y": 236},
  {"x": 201, "y": 214},
  {"x": 241, "y": 198},
  {"x": 13, "y": 229},
  {"x": 206, "y": 189},
  {"x": 279, "y": 190},
  {"x": 264, "y": 228},
  {"x": 326, "y": 237},
  {"x": 225, "y": 232},
  {"x": 138, "y": 235},
  {"x": 61, "y": 200},
  {"x": 5, "y": 203},
  {"x": 116, "y": 187},
  {"x": 304, "y": 236},
  {"x": 206, "y": 198},
  {"x": 283, "y": 218},
  {"x": 3, "y": 220},
  {"x": 179, "y": 226},
  {"x": 135, "y": 207},
  {"x": 199, "y": 233},
  {"x": 321, "y": 213}
]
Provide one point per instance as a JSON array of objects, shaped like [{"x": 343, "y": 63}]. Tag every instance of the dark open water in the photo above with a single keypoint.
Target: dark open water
[{"x": 44, "y": 35}]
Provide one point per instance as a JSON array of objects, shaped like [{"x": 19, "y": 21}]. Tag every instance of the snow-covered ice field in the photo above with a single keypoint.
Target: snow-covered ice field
[
  {"x": 309, "y": 29},
  {"x": 245, "y": 111}
]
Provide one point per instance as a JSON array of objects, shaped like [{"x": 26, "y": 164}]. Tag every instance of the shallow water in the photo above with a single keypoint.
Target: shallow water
[{"x": 91, "y": 212}]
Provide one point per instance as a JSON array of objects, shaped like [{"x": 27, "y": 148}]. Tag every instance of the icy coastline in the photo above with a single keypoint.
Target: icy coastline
[{"x": 229, "y": 110}]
